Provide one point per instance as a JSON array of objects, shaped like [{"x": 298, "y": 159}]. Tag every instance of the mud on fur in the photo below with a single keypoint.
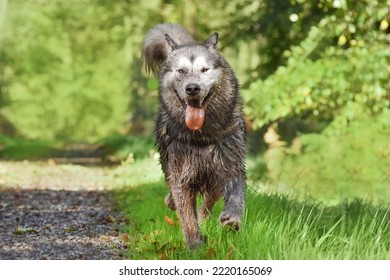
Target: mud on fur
[{"x": 200, "y": 131}]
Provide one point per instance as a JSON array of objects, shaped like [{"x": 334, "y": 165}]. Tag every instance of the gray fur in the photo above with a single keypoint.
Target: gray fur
[
  {"x": 155, "y": 49},
  {"x": 208, "y": 161}
]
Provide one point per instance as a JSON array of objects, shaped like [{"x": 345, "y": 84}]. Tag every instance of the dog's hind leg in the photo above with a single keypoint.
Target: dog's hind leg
[
  {"x": 185, "y": 201},
  {"x": 234, "y": 197}
]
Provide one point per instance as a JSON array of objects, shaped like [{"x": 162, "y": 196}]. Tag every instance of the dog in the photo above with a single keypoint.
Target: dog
[{"x": 200, "y": 132}]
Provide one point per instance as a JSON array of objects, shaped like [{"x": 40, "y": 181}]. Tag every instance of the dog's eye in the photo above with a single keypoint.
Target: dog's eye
[
  {"x": 205, "y": 69},
  {"x": 181, "y": 71}
]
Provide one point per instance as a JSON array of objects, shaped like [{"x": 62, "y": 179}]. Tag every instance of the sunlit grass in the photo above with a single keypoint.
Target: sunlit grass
[
  {"x": 274, "y": 227},
  {"x": 133, "y": 174}
]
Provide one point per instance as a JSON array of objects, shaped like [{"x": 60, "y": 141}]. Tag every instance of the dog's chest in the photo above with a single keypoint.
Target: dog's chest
[{"x": 196, "y": 164}]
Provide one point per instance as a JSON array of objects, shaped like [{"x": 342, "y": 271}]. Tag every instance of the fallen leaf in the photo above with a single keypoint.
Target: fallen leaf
[
  {"x": 21, "y": 231},
  {"x": 110, "y": 218},
  {"x": 211, "y": 254},
  {"x": 169, "y": 221},
  {"x": 51, "y": 162},
  {"x": 163, "y": 256},
  {"x": 125, "y": 237},
  {"x": 70, "y": 229}
]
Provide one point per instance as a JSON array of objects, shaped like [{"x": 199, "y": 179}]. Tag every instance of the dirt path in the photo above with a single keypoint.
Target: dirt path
[{"x": 50, "y": 211}]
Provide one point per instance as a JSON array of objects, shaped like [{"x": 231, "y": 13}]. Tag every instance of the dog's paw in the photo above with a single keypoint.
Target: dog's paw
[
  {"x": 169, "y": 202},
  {"x": 230, "y": 221},
  {"x": 196, "y": 243}
]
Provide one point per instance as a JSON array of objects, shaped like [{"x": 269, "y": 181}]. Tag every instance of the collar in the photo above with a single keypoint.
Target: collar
[{"x": 170, "y": 135}]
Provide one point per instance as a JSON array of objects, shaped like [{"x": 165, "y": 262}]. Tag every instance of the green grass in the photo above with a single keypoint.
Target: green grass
[
  {"x": 274, "y": 226},
  {"x": 15, "y": 148}
]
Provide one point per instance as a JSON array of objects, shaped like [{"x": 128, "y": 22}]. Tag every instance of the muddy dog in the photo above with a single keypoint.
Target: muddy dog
[{"x": 200, "y": 132}]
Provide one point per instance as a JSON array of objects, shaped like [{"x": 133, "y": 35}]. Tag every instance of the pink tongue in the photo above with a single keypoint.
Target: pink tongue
[{"x": 194, "y": 117}]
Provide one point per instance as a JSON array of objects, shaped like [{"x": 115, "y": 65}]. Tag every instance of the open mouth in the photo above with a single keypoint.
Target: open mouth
[
  {"x": 195, "y": 111},
  {"x": 195, "y": 102}
]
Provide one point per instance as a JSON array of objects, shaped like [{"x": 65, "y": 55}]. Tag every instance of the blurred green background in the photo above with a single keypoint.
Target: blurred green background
[{"x": 314, "y": 77}]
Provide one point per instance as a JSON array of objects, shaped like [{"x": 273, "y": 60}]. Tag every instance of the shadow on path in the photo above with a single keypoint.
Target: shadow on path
[{"x": 47, "y": 224}]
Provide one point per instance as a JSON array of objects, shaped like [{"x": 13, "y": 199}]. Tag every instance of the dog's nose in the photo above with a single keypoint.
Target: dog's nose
[{"x": 192, "y": 89}]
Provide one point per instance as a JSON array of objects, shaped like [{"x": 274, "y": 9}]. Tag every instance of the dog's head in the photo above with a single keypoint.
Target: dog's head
[{"x": 190, "y": 77}]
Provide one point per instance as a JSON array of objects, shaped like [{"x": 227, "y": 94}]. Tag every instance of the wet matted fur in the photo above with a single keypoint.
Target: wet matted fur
[{"x": 200, "y": 131}]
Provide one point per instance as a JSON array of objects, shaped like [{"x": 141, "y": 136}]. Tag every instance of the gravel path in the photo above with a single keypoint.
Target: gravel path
[{"x": 50, "y": 211}]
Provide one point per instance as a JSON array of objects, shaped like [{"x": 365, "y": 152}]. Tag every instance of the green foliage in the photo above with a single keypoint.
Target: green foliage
[
  {"x": 126, "y": 147},
  {"x": 321, "y": 79},
  {"x": 336, "y": 81},
  {"x": 62, "y": 70},
  {"x": 320, "y": 90},
  {"x": 72, "y": 72}
]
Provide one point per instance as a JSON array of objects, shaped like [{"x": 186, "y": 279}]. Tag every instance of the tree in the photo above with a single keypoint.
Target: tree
[
  {"x": 5, "y": 125},
  {"x": 68, "y": 73}
]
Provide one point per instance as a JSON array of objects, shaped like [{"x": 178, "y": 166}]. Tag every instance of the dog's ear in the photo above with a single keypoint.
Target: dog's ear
[
  {"x": 171, "y": 42},
  {"x": 212, "y": 41}
]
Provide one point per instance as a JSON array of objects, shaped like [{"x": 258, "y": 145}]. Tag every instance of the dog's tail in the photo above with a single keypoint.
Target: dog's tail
[{"x": 156, "y": 48}]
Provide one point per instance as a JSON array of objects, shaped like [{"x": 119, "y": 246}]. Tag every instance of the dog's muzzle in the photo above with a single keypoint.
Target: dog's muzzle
[{"x": 194, "y": 117}]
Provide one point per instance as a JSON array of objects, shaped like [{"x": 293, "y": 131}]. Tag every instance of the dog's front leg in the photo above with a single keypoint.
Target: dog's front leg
[
  {"x": 185, "y": 201},
  {"x": 234, "y": 197}
]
